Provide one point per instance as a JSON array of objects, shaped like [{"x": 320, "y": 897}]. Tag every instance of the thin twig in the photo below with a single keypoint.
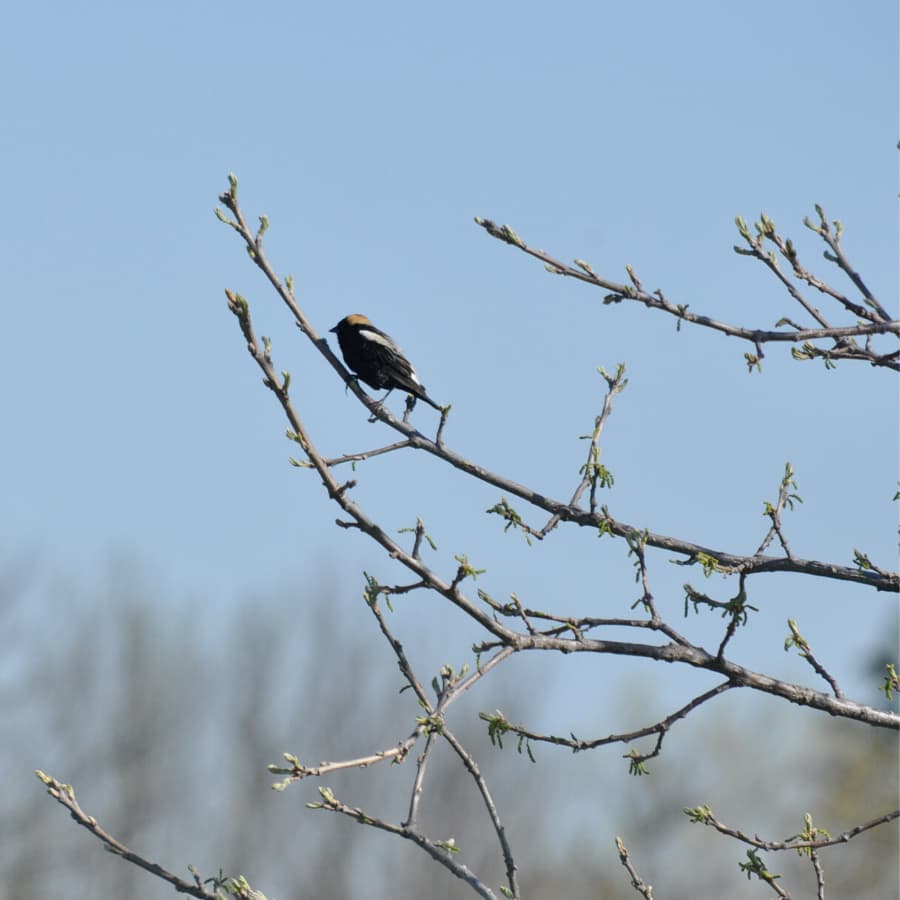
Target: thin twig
[
  {"x": 416, "y": 794},
  {"x": 660, "y": 728},
  {"x": 366, "y": 454},
  {"x": 592, "y": 471},
  {"x": 833, "y": 239},
  {"x": 705, "y": 816},
  {"x": 786, "y": 498},
  {"x": 797, "y": 640},
  {"x": 65, "y": 796},
  {"x": 820, "y": 874},
  {"x": 440, "y": 851},
  {"x": 636, "y": 881},
  {"x": 472, "y": 768}
]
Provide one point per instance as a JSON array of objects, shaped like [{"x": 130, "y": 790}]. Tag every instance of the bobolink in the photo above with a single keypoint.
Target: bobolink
[{"x": 376, "y": 359}]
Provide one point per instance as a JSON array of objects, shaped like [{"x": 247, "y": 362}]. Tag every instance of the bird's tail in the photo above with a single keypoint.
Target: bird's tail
[{"x": 420, "y": 393}]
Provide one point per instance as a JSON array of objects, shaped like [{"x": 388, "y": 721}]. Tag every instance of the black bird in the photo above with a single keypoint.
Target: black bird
[{"x": 376, "y": 359}]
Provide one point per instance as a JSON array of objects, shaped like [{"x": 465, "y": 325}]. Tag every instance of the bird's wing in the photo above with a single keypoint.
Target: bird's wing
[{"x": 391, "y": 361}]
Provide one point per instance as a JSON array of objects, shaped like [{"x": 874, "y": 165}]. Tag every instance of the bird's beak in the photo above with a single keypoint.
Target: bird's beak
[{"x": 333, "y": 329}]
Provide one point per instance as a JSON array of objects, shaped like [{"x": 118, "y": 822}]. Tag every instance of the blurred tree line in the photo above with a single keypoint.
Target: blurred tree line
[{"x": 164, "y": 712}]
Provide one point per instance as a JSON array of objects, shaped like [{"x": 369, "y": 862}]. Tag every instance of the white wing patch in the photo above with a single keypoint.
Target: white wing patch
[{"x": 378, "y": 339}]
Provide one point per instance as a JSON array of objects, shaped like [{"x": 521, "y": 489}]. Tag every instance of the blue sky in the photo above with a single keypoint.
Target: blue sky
[{"x": 371, "y": 137}]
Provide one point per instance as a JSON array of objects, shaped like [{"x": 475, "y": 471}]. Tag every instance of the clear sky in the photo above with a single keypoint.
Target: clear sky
[{"x": 371, "y": 134}]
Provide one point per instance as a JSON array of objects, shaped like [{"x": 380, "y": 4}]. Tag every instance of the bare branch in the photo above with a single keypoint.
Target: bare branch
[
  {"x": 471, "y": 766},
  {"x": 636, "y": 881},
  {"x": 618, "y": 292},
  {"x": 820, "y": 875},
  {"x": 416, "y": 794},
  {"x": 701, "y": 659},
  {"x": 594, "y": 474},
  {"x": 786, "y": 498},
  {"x": 65, "y": 796},
  {"x": 833, "y": 239},
  {"x": 797, "y": 640},
  {"x": 500, "y": 725},
  {"x": 704, "y": 815},
  {"x": 440, "y": 851},
  {"x": 366, "y": 454}
]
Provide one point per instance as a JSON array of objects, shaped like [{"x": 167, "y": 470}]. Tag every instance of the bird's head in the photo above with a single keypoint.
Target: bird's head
[{"x": 354, "y": 320}]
